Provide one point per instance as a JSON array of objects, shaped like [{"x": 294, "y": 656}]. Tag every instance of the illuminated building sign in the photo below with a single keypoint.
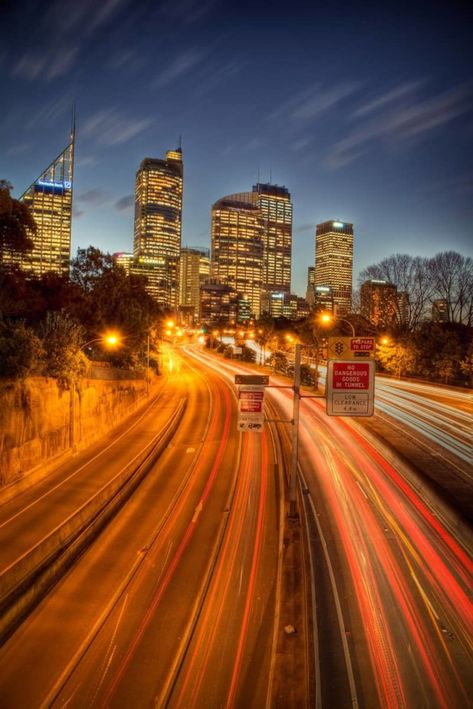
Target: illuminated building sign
[
  {"x": 339, "y": 225},
  {"x": 50, "y": 187}
]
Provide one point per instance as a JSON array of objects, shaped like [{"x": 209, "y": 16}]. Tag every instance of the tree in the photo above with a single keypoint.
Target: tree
[
  {"x": 20, "y": 350},
  {"x": 452, "y": 279},
  {"x": 466, "y": 365},
  {"x": 17, "y": 224},
  {"x": 414, "y": 287},
  {"x": 89, "y": 266},
  {"x": 62, "y": 338},
  {"x": 397, "y": 357}
]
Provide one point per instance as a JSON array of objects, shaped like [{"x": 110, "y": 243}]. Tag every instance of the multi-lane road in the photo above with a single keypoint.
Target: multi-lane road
[{"x": 177, "y": 601}]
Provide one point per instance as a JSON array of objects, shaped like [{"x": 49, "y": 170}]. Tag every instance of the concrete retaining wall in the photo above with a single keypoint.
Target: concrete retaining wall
[{"x": 39, "y": 422}]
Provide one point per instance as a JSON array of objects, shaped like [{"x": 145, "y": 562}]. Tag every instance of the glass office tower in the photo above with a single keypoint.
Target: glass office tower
[
  {"x": 237, "y": 248},
  {"x": 49, "y": 199},
  {"x": 334, "y": 262},
  {"x": 158, "y": 224}
]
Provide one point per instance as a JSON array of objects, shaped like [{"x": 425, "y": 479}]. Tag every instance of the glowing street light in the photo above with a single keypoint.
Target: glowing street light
[
  {"x": 109, "y": 339},
  {"x": 327, "y": 319}
]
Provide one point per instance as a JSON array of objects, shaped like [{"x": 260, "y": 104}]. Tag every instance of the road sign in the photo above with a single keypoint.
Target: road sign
[
  {"x": 259, "y": 379},
  {"x": 350, "y": 388},
  {"x": 250, "y": 408},
  {"x": 351, "y": 347}
]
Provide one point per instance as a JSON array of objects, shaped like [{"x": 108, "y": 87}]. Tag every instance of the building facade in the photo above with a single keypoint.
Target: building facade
[
  {"x": 158, "y": 225},
  {"x": 219, "y": 305},
  {"x": 334, "y": 262},
  {"x": 287, "y": 305},
  {"x": 378, "y": 302},
  {"x": 275, "y": 206},
  {"x": 237, "y": 248},
  {"x": 49, "y": 199},
  {"x": 194, "y": 272}
]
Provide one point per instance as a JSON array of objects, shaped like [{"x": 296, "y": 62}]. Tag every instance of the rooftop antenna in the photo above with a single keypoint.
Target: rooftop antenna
[
  {"x": 180, "y": 142},
  {"x": 258, "y": 174},
  {"x": 270, "y": 176}
]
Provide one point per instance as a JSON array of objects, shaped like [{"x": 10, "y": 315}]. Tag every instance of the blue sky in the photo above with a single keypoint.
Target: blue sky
[{"x": 363, "y": 110}]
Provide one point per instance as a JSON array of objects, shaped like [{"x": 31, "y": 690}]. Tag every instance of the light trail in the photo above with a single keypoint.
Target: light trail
[{"x": 174, "y": 563}]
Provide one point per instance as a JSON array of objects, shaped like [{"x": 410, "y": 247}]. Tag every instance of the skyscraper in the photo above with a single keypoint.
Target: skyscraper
[
  {"x": 49, "y": 199},
  {"x": 274, "y": 203},
  {"x": 378, "y": 300},
  {"x": 158, "y": 224},
  {"x": 237, "y": 248},
  {"x": 334, "y": 262},
  {"x": 194, "y": 272}
]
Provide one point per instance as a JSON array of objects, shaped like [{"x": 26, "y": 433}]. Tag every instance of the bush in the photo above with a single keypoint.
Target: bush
[{"x": 20, "y": 351}]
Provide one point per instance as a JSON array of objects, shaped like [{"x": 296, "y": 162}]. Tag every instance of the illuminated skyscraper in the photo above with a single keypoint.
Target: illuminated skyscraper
[
  {"x": 334, "y": 262},
  {"x": 237, "y": 248},
  {"x": 378, "y": 300},
  {"x": 49, "y": 199},
  {"x": 275, "y": 206},
  {"x": 194, "y": 272},
  {"x": 158, "y": 224}
]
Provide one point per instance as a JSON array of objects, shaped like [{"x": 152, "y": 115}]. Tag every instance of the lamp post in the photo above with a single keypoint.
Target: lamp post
[{"x": 110, "y": 339}]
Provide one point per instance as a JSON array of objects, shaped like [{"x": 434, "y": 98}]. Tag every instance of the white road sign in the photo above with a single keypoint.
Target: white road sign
[
  {"x": 250, "y": 408},
  {"x": 350, "y": 388}
]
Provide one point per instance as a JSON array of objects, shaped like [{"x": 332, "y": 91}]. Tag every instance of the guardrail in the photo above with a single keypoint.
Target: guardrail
[{"x": 25, "y": 582}]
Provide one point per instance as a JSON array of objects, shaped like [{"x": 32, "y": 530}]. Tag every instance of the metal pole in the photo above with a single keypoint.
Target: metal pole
[{"x": 295, "y": 433}]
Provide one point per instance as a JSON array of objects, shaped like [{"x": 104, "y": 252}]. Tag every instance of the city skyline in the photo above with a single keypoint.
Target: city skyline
[{"x": 376, "y": 134}]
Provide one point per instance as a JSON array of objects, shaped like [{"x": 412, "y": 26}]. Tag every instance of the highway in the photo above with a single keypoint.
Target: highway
[
  {"x": 178, "y": 593},
  {"x": 393, "y": 576},
  {"x": 176, "y": 603}
]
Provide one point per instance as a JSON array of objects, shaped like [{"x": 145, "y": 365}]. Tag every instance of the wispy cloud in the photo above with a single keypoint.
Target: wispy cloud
[
  {"x": 181, "y": 65},
  {"x": 312, "y": 101},
  {"x": 94, "y": 197},
  {"x": 215, "y": 77},
  {"x": 83, "y": 17},
  {"x": 186, "y": 11},
  {"x": 399, "y": 123},
  {"x": 45, "y": 64},
  {"x": 111, "y": 127},
  {"x": 71, "y": 28},
  {"x": 125, "y": 203},
  {"x": 388, "y": 97},
  {"x": 19, "y": 149},
  {"x": 305, "y": 227},
  {"x": 85, "y": 160},
  {"x": 126, "y": 60},
  {"x": 51, "y": 111}
]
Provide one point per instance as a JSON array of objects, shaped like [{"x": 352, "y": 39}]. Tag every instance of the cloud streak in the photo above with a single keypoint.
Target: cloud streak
[
  {"x": 180, "y": 66},
  {"x": 110, "y": 127},
  {"x": 125, "y": 203},
  {"x": 314, "y": 100},
  {"x": 393, "y": 123}
]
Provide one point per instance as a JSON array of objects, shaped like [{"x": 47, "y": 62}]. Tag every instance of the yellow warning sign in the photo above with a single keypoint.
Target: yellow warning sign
[{"x": 351, "y": 347}]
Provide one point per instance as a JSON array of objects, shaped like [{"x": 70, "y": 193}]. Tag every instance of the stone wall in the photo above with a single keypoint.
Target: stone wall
[{"x": 39, "y": 422}]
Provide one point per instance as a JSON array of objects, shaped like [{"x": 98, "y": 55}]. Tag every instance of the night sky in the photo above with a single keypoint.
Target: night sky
[{"x": 362, "y": 110}]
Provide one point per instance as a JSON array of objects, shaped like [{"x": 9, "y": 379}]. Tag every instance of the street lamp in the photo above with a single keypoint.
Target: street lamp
[
  {"x": 326, "y": 318},
  {"x": 110, "y": 339}
]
